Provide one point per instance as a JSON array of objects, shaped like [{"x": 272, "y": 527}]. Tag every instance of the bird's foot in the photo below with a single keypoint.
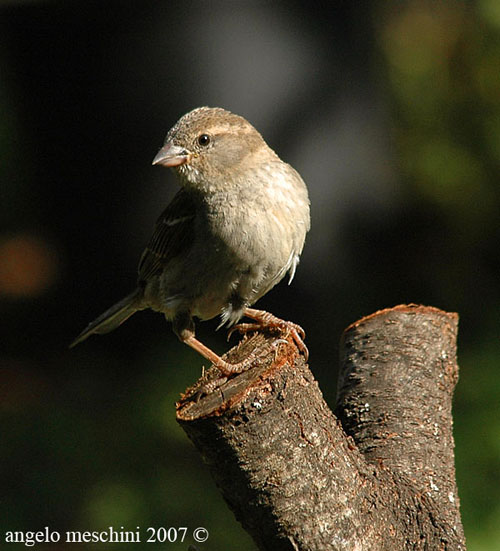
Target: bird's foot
[
  {"x": 263, "y": 321},
  {"x": 229, "y": 369},
  {"x": 226, "y": 368},
  {"x": 266, "y": 321}
]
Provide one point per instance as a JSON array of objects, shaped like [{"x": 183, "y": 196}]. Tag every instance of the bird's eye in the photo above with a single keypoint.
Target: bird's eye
[{"x": 203, "y": 139}]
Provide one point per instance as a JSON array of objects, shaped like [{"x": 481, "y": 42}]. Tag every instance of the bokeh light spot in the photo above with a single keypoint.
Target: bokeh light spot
[{"x": 28, "y": 265}]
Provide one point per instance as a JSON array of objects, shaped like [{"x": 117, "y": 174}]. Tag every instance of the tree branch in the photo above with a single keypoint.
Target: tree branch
[{"x": 378, "y": 476}]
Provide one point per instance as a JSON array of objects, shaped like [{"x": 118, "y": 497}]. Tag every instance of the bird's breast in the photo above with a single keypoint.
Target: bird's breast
[{"x": 262, "y": 223}]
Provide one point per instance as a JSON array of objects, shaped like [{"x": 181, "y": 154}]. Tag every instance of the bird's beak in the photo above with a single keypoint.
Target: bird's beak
[{"x": 171, "y": 155}]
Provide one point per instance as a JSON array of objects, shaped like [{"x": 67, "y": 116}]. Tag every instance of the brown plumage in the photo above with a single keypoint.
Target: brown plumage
[{"x": 231, "y": 233}]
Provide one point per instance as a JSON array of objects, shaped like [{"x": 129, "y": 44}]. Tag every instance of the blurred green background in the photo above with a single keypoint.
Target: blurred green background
[{"x": 391, "y": 113}]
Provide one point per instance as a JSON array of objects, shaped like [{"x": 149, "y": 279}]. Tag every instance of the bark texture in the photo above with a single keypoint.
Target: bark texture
[{"x": 377, "y": 475}]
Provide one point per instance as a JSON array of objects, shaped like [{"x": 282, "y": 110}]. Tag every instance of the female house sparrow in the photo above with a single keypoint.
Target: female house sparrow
[{"x": 231, "y": 233}]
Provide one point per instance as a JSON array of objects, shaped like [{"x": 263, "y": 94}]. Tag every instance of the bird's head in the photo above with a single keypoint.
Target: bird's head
[{"x": 211, "y": 147}]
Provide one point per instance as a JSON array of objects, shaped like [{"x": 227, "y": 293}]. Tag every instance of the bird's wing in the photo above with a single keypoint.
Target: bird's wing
[{"x": 173, "y": 234}]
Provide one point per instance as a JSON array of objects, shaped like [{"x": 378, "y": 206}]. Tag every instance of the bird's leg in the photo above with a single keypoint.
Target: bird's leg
[
  {"x": 265, "y": 320},
  {"x": 224, "y": 367},
  {"x": 183, "y": 327}
]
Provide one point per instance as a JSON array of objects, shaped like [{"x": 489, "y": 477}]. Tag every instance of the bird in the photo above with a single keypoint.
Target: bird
[{"x": 234, "y": 229}]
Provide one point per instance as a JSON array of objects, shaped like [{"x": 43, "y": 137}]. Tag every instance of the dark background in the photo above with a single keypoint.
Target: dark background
[{"x": 391, "y": 113}]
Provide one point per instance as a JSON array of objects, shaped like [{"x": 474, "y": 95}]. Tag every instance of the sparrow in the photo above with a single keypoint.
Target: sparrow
[{"x": 235, "y": 228}]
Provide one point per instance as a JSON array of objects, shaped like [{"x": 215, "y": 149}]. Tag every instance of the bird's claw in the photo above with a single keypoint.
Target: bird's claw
[{"x": 265, "y": 320}]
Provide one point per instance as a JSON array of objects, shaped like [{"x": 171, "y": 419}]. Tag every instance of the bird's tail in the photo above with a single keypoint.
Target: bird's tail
[{"x": 113, "y": 317}]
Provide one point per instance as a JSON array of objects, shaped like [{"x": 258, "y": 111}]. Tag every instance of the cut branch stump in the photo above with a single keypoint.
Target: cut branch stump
[{"x": 376, "y": 475}]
